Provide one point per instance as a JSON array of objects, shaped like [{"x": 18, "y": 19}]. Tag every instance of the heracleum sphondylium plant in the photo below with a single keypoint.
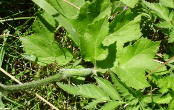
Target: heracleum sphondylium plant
[{"x": 110, "y": 37}]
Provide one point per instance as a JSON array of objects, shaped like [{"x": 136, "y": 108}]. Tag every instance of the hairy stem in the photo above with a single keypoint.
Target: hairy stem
[{"x": 63, "y": 74}]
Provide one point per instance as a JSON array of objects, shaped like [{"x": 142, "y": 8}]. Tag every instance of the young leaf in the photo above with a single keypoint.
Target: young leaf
[
  {"x": 130, "y": 69},
  {"x": 128, "y": 32},
  {"x": 108, "y": 88},
  {"x": 42, "y": 45},
  {"x": 87, "y": 90},
  {"x": 130, "y": 3}
]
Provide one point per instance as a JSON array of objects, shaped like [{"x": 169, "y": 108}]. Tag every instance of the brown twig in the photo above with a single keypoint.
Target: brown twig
[
  {"x": 163, "y": 64},
  {"x": 159, "y": 67}
]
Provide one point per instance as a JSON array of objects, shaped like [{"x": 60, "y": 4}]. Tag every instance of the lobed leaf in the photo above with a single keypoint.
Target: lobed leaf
[
  {"x": 86, "y": 90},
  {"x": 124, "y": 91},
  {"x": 130, "y": 69},
  {"x": 108, "y": 88},
  {"x": 95, "y": 102},
  {"x": 128, "y": 32},
  {"x": 57, "y": 10},
  {"x": 42, "y": 44},
  {"x": 91, "y": 43}
]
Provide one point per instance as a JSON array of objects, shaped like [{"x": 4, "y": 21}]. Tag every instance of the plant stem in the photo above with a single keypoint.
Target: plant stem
[
  {"x": 12, "y": 19},
  {"x": 63, "y": 74}
]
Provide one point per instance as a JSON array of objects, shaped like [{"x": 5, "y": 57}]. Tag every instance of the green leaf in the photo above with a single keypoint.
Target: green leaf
[
  {"x": 90, "y": 13},
  {"x": 171, "y": 36},
  {"x": 30, "y": 57},
  {"x": 93, "y": 11},
  {"x": 165, "y": 24},
  {"x": 167, "y": 3},
  {"x": 42, "y": 44},
  {"x": 44, "y": 24},
  {"x": 111, "y": 105},
  {"x": 69, "y": 88},
  {"x": 128, "y": 32},
  {"x": 130, "y": 69},
  {"x": 91, "y": 43},
  {"x": 166, "y": 83},
  {"x": 124, "y": 91},
  {"x": 86, "y": 90},
  {"x": 121, "y": 19},
  {"x": 108, "y": 62},
  {"x": 92, "y": 26},
  {"x": 56, "y": 7},
  {"x": 158, "y": 9},
  {"x": 95, "y": 102},
  {"x": 47, "y": 7},
  {"x": 171, "y": 105},
  {"x": 162, "y": 99},
  {"x": 108, "y": 88},
  {"x": 73, "y": 34},
  {"x": 135, "y": 107},
  {"x": 130, "y": 3},
  {"x": 102, "y": 8},
  {"x": 68, "y": 9},
  {"x": 157, "y": 98},
  {"x": 51, "y": 7}
]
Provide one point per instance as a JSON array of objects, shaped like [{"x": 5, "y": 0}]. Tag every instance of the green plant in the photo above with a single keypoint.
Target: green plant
[{"x": 109, "y": 36}]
